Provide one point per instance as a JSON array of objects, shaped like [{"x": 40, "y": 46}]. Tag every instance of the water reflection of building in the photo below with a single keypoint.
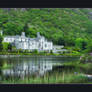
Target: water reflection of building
[
  {"x": 35, "y": 65},
  {"x": 29, "y": 68}
]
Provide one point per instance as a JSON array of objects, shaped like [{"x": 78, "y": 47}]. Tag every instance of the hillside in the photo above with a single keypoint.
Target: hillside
[{"x": 64, "y": 26}]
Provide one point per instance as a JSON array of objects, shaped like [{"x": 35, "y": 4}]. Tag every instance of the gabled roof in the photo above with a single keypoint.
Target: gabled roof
[{"x": 29, "y": 39}]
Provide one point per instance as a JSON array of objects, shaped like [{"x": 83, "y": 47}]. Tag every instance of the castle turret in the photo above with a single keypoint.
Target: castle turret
[
  {"x": 38, "y": 34},
  {"x": 23, "y": 34}
]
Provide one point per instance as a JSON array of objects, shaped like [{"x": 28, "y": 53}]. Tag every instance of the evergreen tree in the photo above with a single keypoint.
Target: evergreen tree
[
  {"x": 10, "y": 47},
  {"x": 1, "y": 45}
]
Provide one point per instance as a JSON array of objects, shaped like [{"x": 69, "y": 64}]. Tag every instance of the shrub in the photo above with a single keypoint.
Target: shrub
[
  {"x": 76, "y": 52},
  {"x": 51, "y": 51},
  {"x": 81, "y": 43},
  {"x": 25, "y": 51},
  {"x": 35, "y": 51},
  {"x": 86, "y": 59},
  {"x": 9, "y": 47},
  {"x": 76, "y": 49},
  {"x": 1, "y": 46},
  {"x": 89, "y": 48},
  {"x": 5, "y": 46}
]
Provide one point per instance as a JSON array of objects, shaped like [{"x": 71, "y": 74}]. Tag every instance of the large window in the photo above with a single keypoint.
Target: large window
[{"x": 45, "y": 45}]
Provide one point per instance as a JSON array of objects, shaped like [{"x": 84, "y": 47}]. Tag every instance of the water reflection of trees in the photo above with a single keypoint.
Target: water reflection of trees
[{"x": 1, "y": 63}]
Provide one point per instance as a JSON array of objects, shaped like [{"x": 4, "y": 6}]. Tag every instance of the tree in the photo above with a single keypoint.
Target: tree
[
  {"x": 81, "y": 43},
  {"x": 62, "y": 26},
  {"x": 61, "y": 41},
  {"x": 84, "y": 44},
  {"x": 1, "y": 39},
  {"x": 5, "y": 46},
  {"x": 9, "y": 47},
  {"x": 1, "y": 45},
  {"x": 89, "y": 47},
  {"x": 78, "y": 43},
  {"x": 35, "y": 51}
]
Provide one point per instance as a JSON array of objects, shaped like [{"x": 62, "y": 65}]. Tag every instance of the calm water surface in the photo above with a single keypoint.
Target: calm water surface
[{"x": 34, "y": 65}]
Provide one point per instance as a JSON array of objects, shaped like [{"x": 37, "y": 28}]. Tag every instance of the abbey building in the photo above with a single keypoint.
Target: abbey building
[{"x": 22, "y": 42}]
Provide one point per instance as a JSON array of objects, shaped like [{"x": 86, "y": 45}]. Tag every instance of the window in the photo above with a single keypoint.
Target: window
[
  {"x": 9, "y": 39},
  {"x": 19, "y": 39},
  {"x": 39, "y": 45},
  {"x": 32, "y": 43},
  {"x": 45, "y": 45},
  {"x": 6, "y": 39}
]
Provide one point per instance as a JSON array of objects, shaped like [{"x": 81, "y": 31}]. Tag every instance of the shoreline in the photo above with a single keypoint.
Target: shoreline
[{"x": 37, "y": 56}]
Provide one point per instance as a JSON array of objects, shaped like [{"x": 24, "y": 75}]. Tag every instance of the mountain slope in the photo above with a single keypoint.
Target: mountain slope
[{"x": 61, "y": 25}]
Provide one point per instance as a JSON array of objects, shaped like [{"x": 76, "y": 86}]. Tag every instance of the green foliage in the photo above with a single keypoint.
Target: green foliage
[
  {"x": 51, "y": 51},
  {"x": 1, "y": 45},
  {"x": 76, "y": 49},
  {"x": 86, "y": 59},
  {"x": 35, "y": 51},
  {"x": 63, "y": 26},
  {"x": 89, "y": 47},
  {"x": 9, "y": 47},
  {"x": 1, "y": 39},
  {"x": 81, "y": 43},
  {"x": 5, "y": 46}
]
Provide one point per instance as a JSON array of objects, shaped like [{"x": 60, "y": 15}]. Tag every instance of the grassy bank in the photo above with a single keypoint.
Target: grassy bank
[
  {"x": 79, "y": 64},
  {"x": 40, "y": 53},
  {"x": 50, "y": 79}
]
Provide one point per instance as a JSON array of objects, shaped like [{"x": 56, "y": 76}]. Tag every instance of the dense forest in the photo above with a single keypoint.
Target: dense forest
[{"x": 64, "y": 26}]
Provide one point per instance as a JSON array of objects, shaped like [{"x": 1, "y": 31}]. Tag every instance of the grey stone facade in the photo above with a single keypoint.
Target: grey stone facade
[{"x": 26, "y": 43}]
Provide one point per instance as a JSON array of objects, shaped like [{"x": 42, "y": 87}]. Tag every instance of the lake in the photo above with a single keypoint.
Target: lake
[{"x": 24, "y": 66}]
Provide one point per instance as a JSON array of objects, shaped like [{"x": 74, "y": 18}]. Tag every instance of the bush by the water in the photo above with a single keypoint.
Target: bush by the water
[{"x": 86, "y": 58}]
